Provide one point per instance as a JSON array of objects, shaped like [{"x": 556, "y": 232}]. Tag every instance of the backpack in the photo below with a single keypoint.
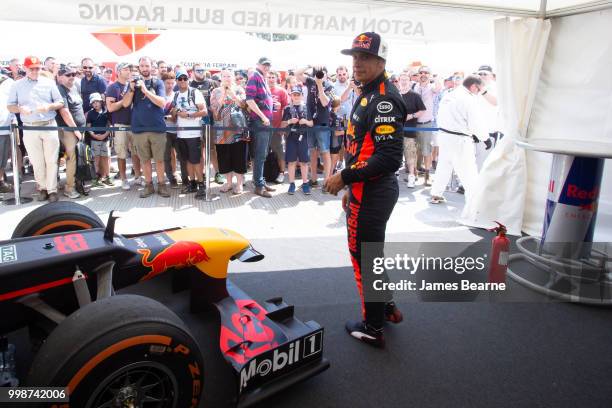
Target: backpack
[
  {"x": 271, "y": 169},
  {"x": 190, "y": 96},
  {"x": 85, "y": 169}
]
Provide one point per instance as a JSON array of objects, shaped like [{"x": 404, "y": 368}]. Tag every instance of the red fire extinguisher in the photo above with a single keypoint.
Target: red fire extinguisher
[{"x": 498, "y": 261}]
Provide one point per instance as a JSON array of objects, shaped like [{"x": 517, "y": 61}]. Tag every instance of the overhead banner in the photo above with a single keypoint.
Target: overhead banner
[{"x": 305, "y": 17}]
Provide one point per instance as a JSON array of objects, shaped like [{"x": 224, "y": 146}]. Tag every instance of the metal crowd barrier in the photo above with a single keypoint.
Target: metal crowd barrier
[{"x": 206, "y": 134}]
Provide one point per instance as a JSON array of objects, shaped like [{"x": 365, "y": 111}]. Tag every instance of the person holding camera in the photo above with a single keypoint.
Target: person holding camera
[
  {"x": 227, "y": 102},
  {"x": 120, "y": 112},
  {"x": 296, "y": 145},
  {"x": 147, "y": 96},
  {"x": 318, "y": 102}
]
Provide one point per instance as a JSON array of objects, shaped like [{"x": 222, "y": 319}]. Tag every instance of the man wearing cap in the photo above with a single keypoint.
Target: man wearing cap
[
  {"x": 72, "y": 115},
  {"x": 428, "y": 92},
  {"x": 37, "y": 99},
  {"x": 259, "y": 100},
  {"x": 373, "y": 155},
  {"x": 414, "y": 107},
  {"x": 187, "y": 109},
  {"x": 120, "y": 116}
]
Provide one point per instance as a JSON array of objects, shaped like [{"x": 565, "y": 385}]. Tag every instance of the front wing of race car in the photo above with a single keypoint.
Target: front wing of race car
[{"x": 267, "y": 346}]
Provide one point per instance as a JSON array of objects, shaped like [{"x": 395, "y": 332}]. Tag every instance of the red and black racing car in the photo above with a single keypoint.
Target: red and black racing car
[{"x": 59, "y": 275}]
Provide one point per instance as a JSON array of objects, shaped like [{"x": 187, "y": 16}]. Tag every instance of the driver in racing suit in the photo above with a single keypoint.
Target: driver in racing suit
[{"x": 374, "y": 149}]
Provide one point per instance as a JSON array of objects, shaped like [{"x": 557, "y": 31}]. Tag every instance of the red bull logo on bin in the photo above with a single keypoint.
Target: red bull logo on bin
[
  {"x": 177, "y": 255},
  {"x": 579, "y": 197}
]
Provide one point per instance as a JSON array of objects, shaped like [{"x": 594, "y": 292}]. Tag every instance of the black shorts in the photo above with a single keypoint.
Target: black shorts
[
  {"x": 190, "y": 149},
  {"x": 335, "y": 143},
  {"x": 232, "y": 157},
  {"x": 296, "y": 149}
]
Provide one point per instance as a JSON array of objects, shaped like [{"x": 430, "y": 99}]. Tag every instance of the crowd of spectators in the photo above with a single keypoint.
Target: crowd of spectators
[{"x": 153, "y": 97}]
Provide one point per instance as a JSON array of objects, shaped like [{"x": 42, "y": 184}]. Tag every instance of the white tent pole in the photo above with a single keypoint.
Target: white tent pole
[{"x": 542, "y": 13}]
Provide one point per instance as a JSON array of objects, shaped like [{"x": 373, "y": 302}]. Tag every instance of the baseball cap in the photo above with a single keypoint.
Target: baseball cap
[
  {"x": 369, "y": 43},
  {"x": 122, "y": 65},
  {"x": 65, "y": 69},
  {"x": 485, "y": 68},
  {"x": 95, "y": 97},
  {"x": 31, "y": 61},
  {"x": 296, "y": 89},
  {"x": 180, "y": 73},
  {"x": 264, "y": 61}
]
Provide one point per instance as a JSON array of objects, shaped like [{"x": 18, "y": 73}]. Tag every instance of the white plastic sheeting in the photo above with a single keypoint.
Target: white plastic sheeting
[
  {"x": 500, "y": 189},
  {"x": 573, "y": 103}
]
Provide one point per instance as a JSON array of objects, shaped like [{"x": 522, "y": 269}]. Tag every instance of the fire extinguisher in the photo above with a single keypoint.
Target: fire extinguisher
[{"x": 498, "y": 263}]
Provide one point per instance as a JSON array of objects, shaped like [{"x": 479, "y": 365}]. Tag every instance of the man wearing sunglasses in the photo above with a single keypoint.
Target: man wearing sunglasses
[
  {"x": 428, "y": 92},
  {"x": 147, "y": 95},
  {"x": 37, "y": 99},
  {"x": 91, "y": 83},
  {"x": 71, "y": 114}
]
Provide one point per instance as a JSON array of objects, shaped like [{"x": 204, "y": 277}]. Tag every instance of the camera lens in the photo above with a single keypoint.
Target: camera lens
[{"x": 319, "y": 74}]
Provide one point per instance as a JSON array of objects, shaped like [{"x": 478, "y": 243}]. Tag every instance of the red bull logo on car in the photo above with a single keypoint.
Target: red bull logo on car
[{"x": 176, "y": 255}]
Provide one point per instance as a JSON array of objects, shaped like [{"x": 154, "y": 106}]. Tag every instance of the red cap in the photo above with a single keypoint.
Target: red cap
[{"x": 31, "y": 61}]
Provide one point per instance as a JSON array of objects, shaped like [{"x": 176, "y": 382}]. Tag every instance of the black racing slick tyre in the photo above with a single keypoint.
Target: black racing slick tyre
[
  {"x": 122, "y": 351},
  {"x": 60, "y": 216}
]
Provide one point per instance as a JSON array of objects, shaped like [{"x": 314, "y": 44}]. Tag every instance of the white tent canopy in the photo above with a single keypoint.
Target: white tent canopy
[{"x": 571, "y": 101}]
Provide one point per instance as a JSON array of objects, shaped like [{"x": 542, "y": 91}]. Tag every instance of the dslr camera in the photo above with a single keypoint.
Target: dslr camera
[
  {"x": 136, "y": 78},
  {"x": 318, "y": 72}
]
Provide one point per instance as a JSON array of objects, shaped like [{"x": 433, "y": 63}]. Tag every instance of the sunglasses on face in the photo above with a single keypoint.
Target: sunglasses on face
[
  {"x": 70, "y": 75},
  {"x": 483, "y": 73},
  {"x": 199, "y": 71},
  {"x": 423, "y": 73},
  {"x": 84, "y": 67},
  {"x": 182, "y": 79}
]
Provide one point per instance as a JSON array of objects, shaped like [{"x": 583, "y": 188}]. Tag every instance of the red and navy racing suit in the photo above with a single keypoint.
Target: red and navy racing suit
[{"x": 374, "y": 148}]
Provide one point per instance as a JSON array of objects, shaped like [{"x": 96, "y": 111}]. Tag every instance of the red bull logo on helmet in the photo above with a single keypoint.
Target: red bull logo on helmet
[
  {"x": 362, "y": 41},
  {"x": 176, "y": 255}
]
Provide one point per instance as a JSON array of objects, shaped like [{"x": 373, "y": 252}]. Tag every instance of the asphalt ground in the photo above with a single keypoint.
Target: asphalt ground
[{"x": 460, "y": 354}]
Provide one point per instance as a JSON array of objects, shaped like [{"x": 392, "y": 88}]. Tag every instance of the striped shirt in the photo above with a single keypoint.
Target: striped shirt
[{"x": 257, "y": 90}]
